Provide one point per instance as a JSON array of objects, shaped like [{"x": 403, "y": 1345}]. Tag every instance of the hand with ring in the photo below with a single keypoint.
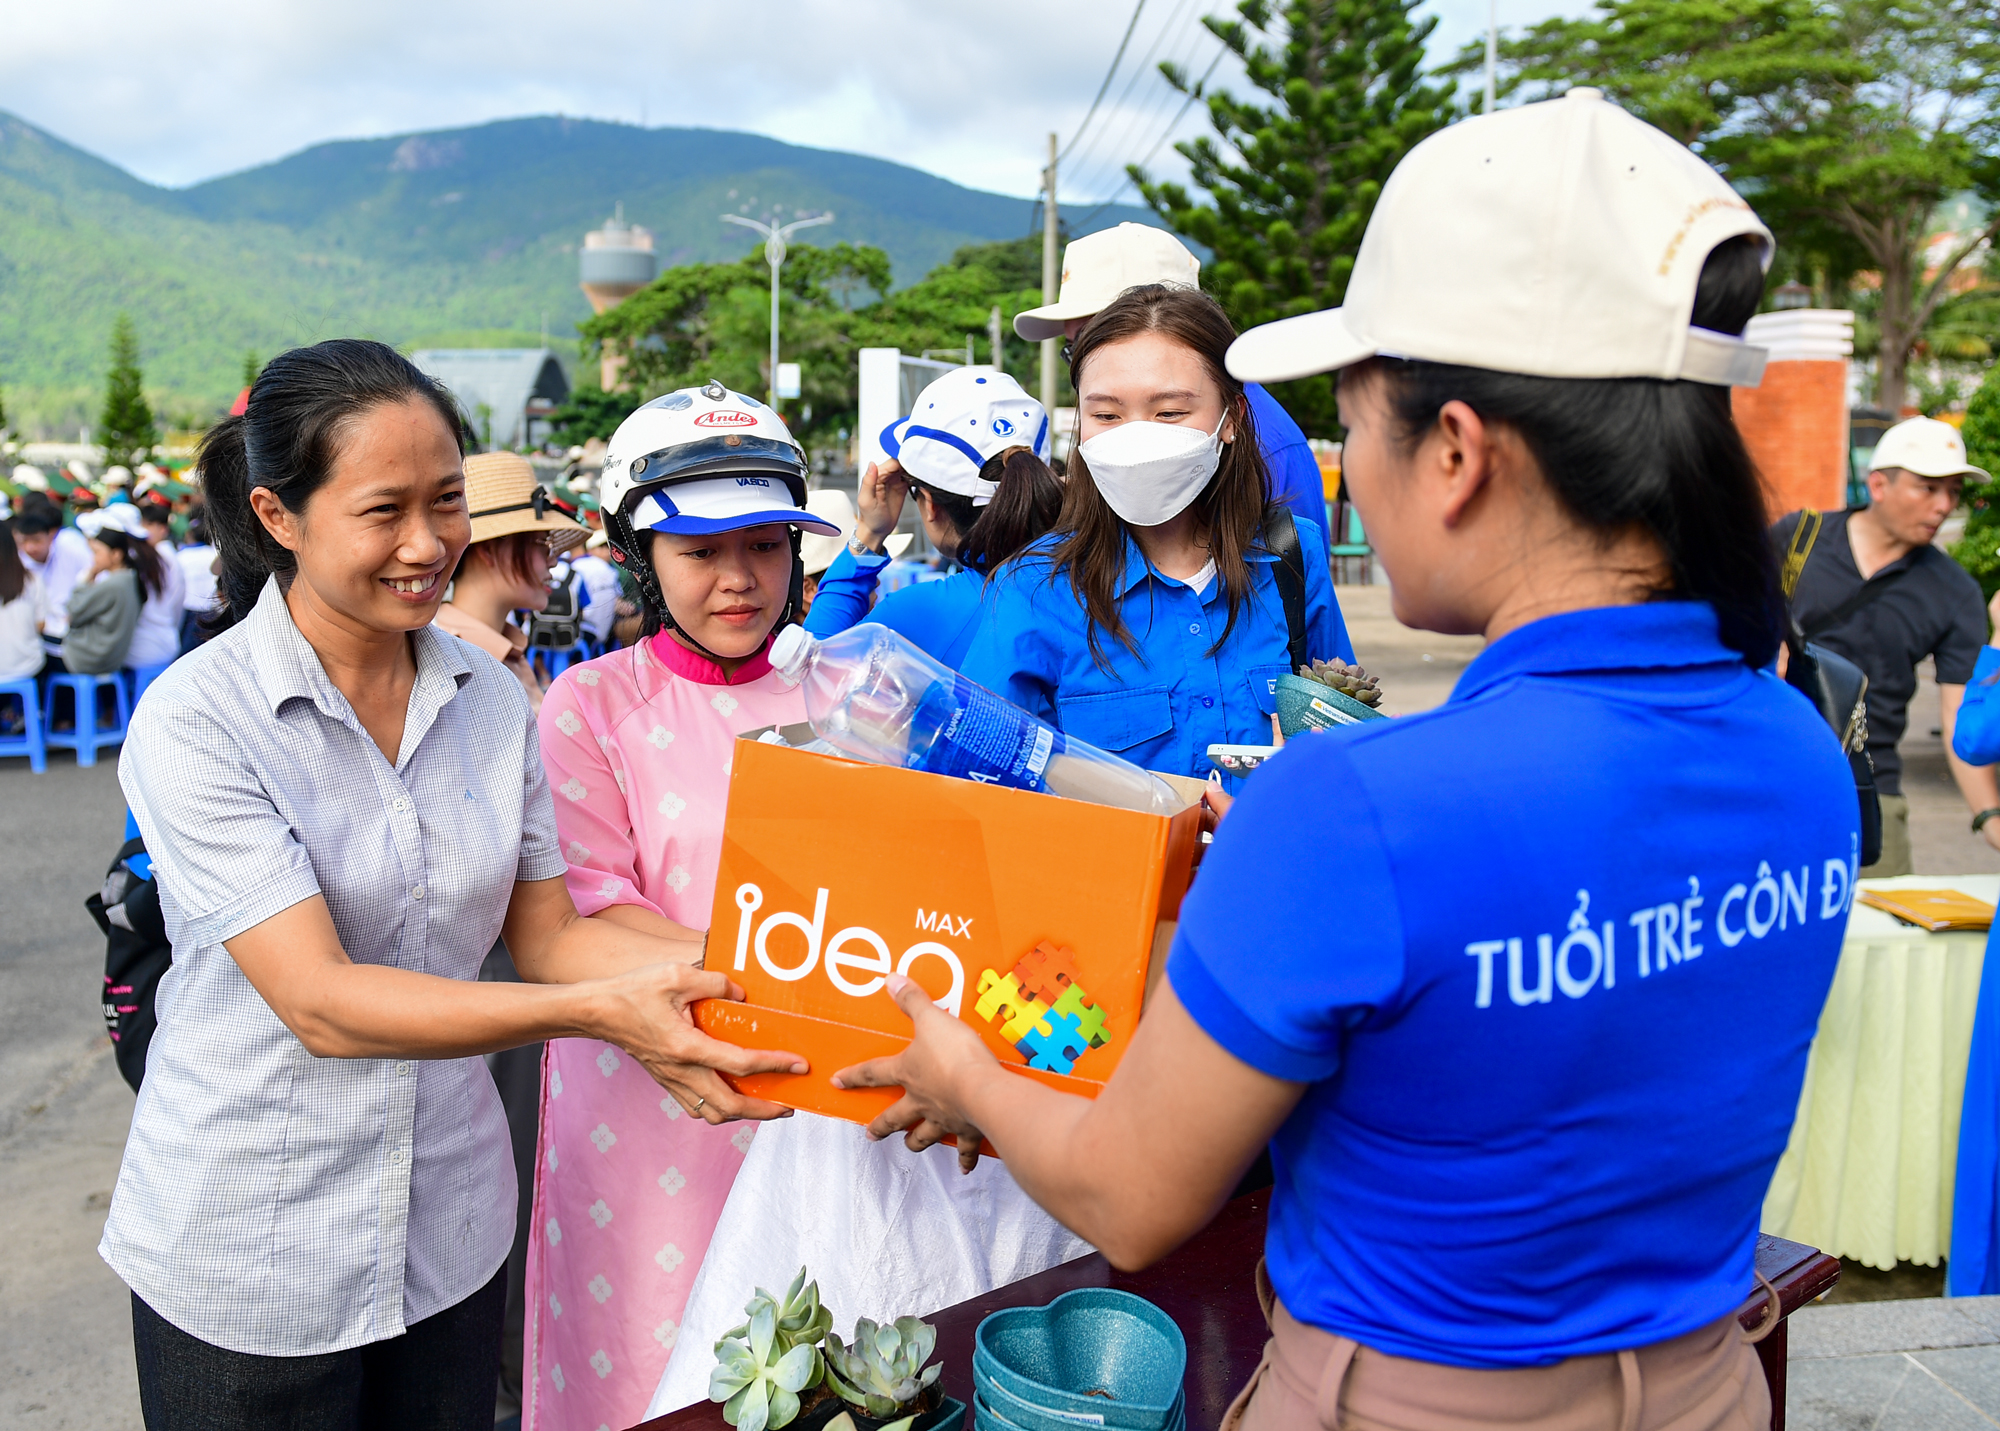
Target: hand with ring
[{"x": 649, "y": 1012}]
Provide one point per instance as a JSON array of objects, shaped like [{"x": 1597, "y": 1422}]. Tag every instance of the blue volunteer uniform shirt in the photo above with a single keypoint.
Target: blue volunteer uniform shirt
[
  {"x": 1295, "y": 478},
  {"x": 940, "y": 616},
  {"x": 1164, "y": 707},
  {"x": 1549, "y": 958}
]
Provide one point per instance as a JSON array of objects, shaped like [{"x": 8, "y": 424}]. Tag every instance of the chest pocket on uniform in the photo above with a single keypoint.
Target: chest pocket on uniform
[
  {"x": 1263, "y": 686},
  {"x": 1117, "y": 720}
]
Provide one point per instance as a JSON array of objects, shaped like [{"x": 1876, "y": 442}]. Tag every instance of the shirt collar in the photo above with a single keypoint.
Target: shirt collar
[
  {"x": 693, "y": 666},
  {"x": 289, "y": 669},
  {"x": 1651, "y": 636},
  {"x": 1137, "y": 569}
]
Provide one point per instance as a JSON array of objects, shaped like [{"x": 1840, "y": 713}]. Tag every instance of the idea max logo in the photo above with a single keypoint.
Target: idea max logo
[
  {"x": 856, "y": 959},
  {"x": 726, "y": 417}
]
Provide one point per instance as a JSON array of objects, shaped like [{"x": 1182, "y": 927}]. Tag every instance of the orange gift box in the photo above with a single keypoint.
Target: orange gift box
[{"x": 1038, "y": 920}]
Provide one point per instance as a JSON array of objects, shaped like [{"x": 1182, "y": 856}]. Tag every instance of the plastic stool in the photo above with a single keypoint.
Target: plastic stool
[
  {"x": 85, "y": 739},
  {"x": 29, "y": 742},
  {"x": 139, "y": 677}
]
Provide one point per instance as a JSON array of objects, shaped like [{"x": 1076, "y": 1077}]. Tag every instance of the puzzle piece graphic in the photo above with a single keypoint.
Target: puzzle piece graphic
[
  {"x": 1089, "y": 1019},
  {"x": 1026, "y": 1019},
  {"x": 997, "y": 992},
  {"x": 1045, "y": 971},
  {"x": 1056, "y": 1044}
]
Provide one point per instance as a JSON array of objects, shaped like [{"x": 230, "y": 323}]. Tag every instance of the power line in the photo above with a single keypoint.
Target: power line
[
  {"x": 1138, "y": 70},
  {"x": 1109, "y": 75},
  {"x": 1143, "y": 120},
  {"x": 1165, "y": 134}
]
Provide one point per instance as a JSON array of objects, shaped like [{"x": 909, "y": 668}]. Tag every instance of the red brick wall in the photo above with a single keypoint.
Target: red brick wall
[{"x": 1795, "y": 425}]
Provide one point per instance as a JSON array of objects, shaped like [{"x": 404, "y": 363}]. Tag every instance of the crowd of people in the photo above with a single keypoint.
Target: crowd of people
[{"x": 427, "y": 1113}]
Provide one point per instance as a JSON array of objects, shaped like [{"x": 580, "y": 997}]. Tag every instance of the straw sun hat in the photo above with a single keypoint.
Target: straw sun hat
[{"x": 503, "y": 496}]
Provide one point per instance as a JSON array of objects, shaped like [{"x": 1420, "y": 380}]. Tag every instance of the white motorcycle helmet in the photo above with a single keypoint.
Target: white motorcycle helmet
[{"x": 698, "y": 462}]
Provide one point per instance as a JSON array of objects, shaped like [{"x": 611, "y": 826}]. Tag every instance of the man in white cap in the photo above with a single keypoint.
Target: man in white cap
[
  {"x": 1870, "y": 586},
  {"x": 1100, "y": 266}
]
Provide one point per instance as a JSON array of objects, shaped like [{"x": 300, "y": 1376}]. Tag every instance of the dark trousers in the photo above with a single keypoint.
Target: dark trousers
[
  {"x": 437, "y": 1376},
  {"x": 517, "y": 1074}
]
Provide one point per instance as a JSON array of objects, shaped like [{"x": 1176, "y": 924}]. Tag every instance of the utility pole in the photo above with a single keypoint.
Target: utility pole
[
  {"x": 1051, "y": 276},
  {"x": 1492, "y": 49},
  {"x": 993, "y": 337},
  {"x": 774, "y": 254}
]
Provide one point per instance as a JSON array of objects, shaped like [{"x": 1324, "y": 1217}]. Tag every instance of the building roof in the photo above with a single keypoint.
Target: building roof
[{"x": 503, "y": 380}]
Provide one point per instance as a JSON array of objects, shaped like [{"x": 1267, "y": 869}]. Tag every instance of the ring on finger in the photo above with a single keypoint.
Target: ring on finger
[{"x": 699, "y": 1104}]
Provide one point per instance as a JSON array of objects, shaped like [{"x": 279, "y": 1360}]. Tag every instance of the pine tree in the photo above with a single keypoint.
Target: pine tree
[
  {"x": 1284, "y": 224},
  {"x": 125, "y": 429},
  {"x": 251, "y": 367}
]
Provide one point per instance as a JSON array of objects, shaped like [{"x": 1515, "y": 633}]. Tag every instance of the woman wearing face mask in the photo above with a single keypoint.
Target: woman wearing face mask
[
  {"x": 1152, "y": 620},
  {"x": 1524, "y": 1051},
  {"x": 972, "y": 453}
]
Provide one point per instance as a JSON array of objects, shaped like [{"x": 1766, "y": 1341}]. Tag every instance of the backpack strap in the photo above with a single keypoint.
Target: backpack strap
[
  {"x": 1281, "y": 539},
  {"x": 1803, "y": 537}
]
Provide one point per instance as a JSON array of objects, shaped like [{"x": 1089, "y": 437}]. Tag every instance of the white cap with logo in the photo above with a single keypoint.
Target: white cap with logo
[
  {"x": 1563, "y": 239},
  {"x": 1100, "y": 266},
  {"x": 1926, "y": 447},
  {"x": 961, "y": 422}
]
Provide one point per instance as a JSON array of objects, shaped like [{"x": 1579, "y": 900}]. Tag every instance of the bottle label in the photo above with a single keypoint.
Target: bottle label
[{"x": 963, "y": 730}]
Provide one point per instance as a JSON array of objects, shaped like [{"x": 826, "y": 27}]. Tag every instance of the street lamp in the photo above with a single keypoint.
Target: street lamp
[{"x": 774, "y": 254}]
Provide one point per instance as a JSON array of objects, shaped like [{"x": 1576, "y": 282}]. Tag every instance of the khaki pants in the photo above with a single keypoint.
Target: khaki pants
[
  {"x": 1311, "y": 1380},
  {"x": 1895, "y": 840}
]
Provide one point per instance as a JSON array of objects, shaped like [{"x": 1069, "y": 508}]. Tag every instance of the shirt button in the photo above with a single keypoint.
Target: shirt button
[
  {"x": 399, "y": 1156},
  {"x": 417, "y": 892},
  {"x": 1208, "y": 700},
  {"x": 403, "y": 1068},
  {"x": 1194, "y": 628},
  {"x": 401, "y": 806}
]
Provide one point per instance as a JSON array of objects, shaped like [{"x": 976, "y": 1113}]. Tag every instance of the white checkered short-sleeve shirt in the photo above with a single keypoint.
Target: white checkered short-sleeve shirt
[{"x": 270, "y": 1201}]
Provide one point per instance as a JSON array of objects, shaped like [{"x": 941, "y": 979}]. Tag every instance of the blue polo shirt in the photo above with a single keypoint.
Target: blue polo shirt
[
  {"x": 1164, "y": 706},
  {"x": 1295, "y": 478},
  {"x": 1548, "y": 959},
  {"x": 938, "y": 616}
]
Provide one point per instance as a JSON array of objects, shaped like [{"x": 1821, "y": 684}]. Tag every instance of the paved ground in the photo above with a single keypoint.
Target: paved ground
[{"x": 65, "y": 1328}]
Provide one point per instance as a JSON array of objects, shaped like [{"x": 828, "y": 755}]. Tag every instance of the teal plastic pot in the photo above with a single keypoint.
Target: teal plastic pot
[
  {"x": 1095, "y": 1356},
  {"x": 1307, "y": 705}
]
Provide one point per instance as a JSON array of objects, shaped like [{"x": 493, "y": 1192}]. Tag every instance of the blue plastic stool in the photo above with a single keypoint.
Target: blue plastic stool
[
  {"x": 85, "y": 739},
  {"x": 29, "y": 742},
  {"x": 137, "y": 678}
]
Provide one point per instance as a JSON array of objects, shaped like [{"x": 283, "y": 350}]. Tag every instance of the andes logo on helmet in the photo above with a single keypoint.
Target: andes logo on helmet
[{"x": 726, "y": 417}]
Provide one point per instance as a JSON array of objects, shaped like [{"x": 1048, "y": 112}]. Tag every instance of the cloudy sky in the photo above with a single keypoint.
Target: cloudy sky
[{"x": 181, "y": 92}]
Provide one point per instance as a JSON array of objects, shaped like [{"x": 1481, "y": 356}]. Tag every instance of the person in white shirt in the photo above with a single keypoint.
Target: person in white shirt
[
  {"x": 57, "y": 554},
  {"x": 196, "y": 560},
  {"x": 21, "y": 607},
  {"x": 156, "y": 641},
  {"x": 600, "y": 590}
]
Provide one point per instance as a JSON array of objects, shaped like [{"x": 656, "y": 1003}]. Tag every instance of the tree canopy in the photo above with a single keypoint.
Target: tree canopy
[{"x": 1289, "y": 184}]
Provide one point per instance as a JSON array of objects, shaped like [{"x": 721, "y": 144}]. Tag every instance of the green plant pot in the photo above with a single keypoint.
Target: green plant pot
[{"x": 1307, "y": 705}]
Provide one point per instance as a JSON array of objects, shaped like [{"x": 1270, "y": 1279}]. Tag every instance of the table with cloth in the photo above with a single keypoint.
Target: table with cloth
[{"x": 1869, "y": 1171}]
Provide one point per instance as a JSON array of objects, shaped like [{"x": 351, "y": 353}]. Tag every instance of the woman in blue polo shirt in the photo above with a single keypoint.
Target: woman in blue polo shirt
[
  {"x": 1519, "y": 990},
  {"x": 1151, "y": 621},
  {"x": 971, "y": 452}
]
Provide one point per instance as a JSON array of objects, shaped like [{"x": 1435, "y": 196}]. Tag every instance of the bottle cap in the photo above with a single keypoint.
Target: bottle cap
[{"x": 790, "y": 651}]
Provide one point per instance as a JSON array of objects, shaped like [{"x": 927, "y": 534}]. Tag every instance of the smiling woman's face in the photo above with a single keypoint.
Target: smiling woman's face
[
  {"x": 376, "y": 540},
  {"x": 726, "y": 591}
]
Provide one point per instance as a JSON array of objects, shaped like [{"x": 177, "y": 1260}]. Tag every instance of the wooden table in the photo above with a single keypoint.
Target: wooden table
[{"x": 1208, "y": 1286}]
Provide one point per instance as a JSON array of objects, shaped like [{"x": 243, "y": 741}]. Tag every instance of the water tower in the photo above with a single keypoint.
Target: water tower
[{"x": 616, "y": 262}]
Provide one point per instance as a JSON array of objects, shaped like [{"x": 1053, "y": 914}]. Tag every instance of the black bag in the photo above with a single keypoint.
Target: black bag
[
  {"x": 559, "y": 625},
  {"x": 1281, "y": 540},
  {"x": 136, "y": 954},
  {"x": 1836, "y": 686}
]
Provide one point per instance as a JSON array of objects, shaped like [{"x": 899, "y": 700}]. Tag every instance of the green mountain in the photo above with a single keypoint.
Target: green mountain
[{"x": 455, "y": 237}]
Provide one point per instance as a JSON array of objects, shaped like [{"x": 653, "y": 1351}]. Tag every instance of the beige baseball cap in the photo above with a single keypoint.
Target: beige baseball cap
[
  {"x": 1927, "y": 447},
  {"x": 1563, "y": 239},
  {"x": 1100, "y": 266}
]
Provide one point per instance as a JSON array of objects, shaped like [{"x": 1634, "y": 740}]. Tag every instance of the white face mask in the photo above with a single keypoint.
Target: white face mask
[{"x": 1150, "y": 471}]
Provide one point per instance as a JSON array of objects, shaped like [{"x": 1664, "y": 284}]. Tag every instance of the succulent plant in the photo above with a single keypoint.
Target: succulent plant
[
  {"x": 882, "y": 1374},
  {"x": 1351, "y": 681},
  {"x": 763, "y": 1365}
]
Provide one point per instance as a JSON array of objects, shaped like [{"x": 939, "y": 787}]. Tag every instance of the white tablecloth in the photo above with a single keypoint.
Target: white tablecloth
[{"x": 1868, "y": 1171}]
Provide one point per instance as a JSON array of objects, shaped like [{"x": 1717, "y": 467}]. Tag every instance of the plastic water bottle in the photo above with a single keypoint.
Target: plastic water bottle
[{"x": 874, "y": 696}]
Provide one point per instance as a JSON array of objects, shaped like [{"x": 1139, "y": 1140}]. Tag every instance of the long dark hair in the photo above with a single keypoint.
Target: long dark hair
[
  {"x": 1620, "y": 453},
  {"x": 287, "y": 440},
  {"x": 1025, "y": 505},
  {"x": 139, "y": 558},
  {"x": 1230, "y": 510},
  {"x": 13, "y": 571}
]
